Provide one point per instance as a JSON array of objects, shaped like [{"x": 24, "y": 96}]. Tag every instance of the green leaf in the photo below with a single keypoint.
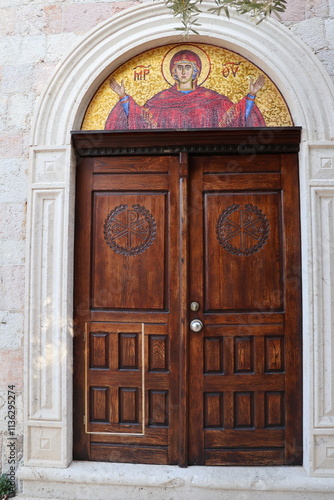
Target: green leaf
[{"x": 188, "y": 10}]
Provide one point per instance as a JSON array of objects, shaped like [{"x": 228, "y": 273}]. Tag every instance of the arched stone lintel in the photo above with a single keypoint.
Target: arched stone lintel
[{"x": 301, "y": 78}]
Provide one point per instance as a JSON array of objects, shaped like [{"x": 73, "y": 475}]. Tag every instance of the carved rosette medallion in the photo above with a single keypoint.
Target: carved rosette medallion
[
  {"x": 242, "y": 230},
  {"x": 129, "y": 231}
]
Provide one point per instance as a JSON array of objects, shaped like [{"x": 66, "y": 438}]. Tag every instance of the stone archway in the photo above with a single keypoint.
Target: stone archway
[{"x": 309, "y": 94}]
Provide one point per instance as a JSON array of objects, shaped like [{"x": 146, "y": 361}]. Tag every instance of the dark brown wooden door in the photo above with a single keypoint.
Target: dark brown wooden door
[
  {"x": 244, "y": 272},
  {"x": 127, "y": 284},
  {"x": 153, "y": 234}
]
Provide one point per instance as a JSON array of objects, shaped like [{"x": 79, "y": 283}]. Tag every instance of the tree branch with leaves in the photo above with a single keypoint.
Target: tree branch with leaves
[{"x": 189, "y": 10}]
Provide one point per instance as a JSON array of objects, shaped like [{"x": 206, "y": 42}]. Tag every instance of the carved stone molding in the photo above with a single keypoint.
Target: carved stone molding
[
  {"x": 48, "y": 393},
  {"x": 324, "y": 454},
  {"x": 323, "y": 232},
  {"x": 45, "y": 444},
  {"x": 45, "y": 385},
  {"x": 49, "y": 165},
  {"x": 322, "y": 162}
]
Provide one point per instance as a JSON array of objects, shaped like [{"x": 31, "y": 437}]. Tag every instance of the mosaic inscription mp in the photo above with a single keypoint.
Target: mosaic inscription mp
[{"x": 186, "y": 86}]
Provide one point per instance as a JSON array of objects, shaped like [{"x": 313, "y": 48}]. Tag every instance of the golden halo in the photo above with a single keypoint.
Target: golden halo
[{"x": 206, "y": 63}]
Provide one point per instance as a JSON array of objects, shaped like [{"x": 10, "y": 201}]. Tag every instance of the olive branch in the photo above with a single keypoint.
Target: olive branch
[{"x": 188, "y": 10}]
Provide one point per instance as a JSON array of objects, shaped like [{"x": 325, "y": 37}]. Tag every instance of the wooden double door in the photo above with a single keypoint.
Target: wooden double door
[{"x": 187, "y": 309}]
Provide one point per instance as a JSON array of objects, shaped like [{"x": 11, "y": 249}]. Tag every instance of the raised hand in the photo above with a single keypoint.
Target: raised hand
[
  {"x": 117, "y": 88},
  {"x": 254, "y": 87}
]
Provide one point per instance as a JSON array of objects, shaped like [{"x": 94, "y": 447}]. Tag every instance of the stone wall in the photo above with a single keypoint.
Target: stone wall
[
  {"x": 35, "y": 35},
  {"x": 313, "y": 22}
]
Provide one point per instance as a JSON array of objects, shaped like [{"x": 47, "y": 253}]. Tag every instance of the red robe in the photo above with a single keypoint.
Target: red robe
[{"x": 172, "y": 109}]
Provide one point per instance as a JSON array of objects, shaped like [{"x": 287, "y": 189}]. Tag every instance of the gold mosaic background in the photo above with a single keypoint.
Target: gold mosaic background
[{"x": 230, "y": 74}]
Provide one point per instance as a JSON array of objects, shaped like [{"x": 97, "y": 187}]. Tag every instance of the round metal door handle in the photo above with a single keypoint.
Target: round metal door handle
[{"x": 196, "y": 325}]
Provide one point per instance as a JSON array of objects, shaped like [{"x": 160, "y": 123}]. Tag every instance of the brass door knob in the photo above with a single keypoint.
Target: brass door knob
[{"x": 196, "y": 325}]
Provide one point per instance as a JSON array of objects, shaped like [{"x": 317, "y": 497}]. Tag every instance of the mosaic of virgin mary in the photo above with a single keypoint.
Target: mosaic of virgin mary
[{"x": 186, "y": 103}]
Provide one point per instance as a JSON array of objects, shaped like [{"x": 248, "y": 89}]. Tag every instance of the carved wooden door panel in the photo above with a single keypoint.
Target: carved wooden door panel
[
  {"x": 153, "y": 235},
  {"x": 126, "y": 285},
  {"x": 245, "y": 363}
]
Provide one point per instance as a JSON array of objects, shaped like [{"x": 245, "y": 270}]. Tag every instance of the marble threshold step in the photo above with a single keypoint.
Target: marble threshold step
[{"x": 109, "y": 481}]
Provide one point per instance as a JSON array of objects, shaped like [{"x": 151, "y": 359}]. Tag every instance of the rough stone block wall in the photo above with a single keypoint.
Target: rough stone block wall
[
  {"x": 313, "y": 22},
  {"x": 35, "y": 35}
]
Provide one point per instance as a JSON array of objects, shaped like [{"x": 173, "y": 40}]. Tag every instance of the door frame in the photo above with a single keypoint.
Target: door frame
[{"x": 247, "y": 142}]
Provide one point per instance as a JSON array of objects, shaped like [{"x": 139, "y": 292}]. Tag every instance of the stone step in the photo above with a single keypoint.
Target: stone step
[{"x": 107, "y": 481}]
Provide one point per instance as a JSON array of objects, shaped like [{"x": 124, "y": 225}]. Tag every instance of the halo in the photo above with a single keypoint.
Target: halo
[{"x": 206, "y": 63}]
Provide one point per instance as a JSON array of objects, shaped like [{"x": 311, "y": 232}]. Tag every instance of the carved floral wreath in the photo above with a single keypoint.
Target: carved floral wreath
[
  {"x": 253, "y": 223},
  {"x": 139, "y": 223}
]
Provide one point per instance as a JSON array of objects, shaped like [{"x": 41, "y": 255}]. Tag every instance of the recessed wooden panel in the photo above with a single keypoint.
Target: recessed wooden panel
[
  {"x": 133, "y": 454},
  {"x": 227, "y": 165},
  {"x": 274, "y": 354},
  {"x": 263, "y": 181},
  {"x": 242, "y": 251},
  {"x": 158, "y": 353},
  {"x": 129, "y": 264},
  {"x": 136, "y": 182},
  {"x": 244, "y": 438},
  {"x": 99, "y": 350},
  {"x": 243, "y": 354},
  {"x": 244, "y": 409},
  {"x": 213, "y": 409},
  {"x": 158, "y": 408},
  {"x": 121, "y": 404},
  {"x": 274, "y": 402},
  {"x": 213, "y": 355},
  {"x": 134, "y": 164},
  {"x": 128, "y": 405},
  {"x": 265, "y": 457},
  {"x": 99, "y": 403},
  {"x": 128, "y": 351}
]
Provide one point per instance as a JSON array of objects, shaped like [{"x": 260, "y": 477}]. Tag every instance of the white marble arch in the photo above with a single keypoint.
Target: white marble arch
[{"x": 309, "y": 94}]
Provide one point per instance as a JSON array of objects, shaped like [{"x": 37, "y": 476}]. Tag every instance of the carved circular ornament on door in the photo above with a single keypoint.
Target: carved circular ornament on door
[
  {"x": 129, "y": 231},
  {"x": 242, "y": 230}
]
